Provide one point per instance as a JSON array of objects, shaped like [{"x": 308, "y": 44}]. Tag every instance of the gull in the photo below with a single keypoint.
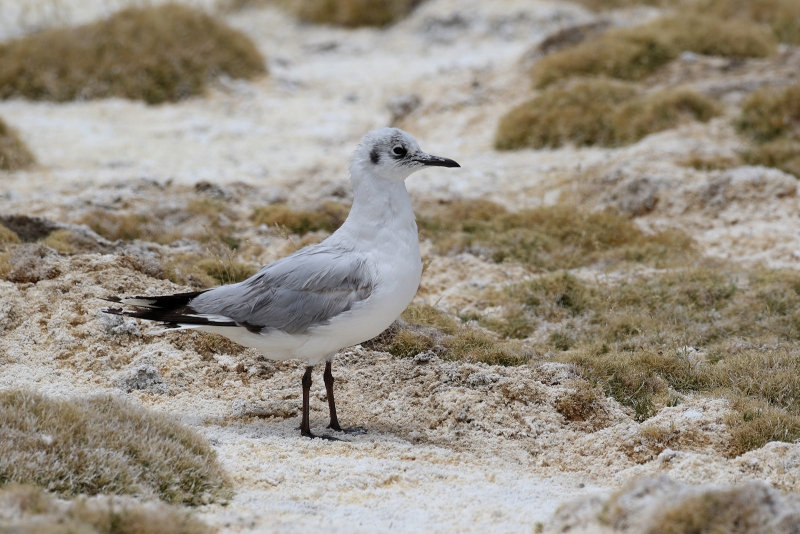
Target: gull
[{"x": 325, "y": 297}]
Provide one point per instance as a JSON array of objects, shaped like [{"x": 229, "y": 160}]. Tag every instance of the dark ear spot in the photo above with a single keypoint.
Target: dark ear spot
[{"x": 374, "y": 157}]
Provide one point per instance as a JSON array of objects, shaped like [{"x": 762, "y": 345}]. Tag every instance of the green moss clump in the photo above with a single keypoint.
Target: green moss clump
[
  {"x": 156, "y": 54},
  {"x": 598, "y": 112}
]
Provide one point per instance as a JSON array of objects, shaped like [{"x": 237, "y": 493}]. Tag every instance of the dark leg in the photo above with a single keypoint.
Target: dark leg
[
  {"x": 328, "y": 378},
  {"x": 305, "y": 427}
]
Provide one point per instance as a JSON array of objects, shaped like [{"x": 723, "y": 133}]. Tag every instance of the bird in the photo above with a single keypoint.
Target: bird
[{"x": 325, "y": 297}]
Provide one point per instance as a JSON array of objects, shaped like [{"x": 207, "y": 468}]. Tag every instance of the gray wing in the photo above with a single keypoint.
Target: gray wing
[{"x": 306, "y": 289}]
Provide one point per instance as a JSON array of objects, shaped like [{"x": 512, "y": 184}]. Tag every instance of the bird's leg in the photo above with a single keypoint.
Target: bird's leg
[
  {"x": 328, "y": 378},
  {"x": 305, "y": 427}
]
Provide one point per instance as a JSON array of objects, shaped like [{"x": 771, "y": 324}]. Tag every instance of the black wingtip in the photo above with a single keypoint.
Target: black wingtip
[{"x": 112, "y": 299}]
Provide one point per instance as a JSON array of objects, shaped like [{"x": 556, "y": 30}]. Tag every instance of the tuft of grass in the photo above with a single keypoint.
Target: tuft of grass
[
  {"x": 328, "y": 217},
  {"x": 579, "y": 403},
  {"x": 634, "y": 53},
  {"x": 600, "y": 5},
  {"x": 554, "y": 237},
  {"x": 66, "y": 241},
  {"x": 29, "y": 263},
  {"x": 770, "y": 113},
  {"x": 354, "y": 13},
  {"x": 428, "y": 329},
  {"x": 31, "y": 510},
  {"x": 582, "y": 114},
  {"x": 207, "y": 345},
  {"x": 14, "y": 155},
  {"x": 771, "y": 117},
  {"x": 226, "y": 270},
  {"x": 755, "y": 423},
  {"x": 746, "y": 508},
  {"x": 708, "y": 329},
  {"x": 156, "y": 54},
  {"x": 711, "y": 162},
  {"x": 780, "y": 15},
  {"x": 125, "y": 226},
  {"x": 8, "y": 236},
  {"x": 783, "y": 154},
  {"x": 103, "y": 445},
  {"x": 599, "y": 112}
]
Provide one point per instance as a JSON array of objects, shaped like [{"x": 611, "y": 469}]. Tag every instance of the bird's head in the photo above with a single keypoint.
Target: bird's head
[{"x": 392, "y": 154}]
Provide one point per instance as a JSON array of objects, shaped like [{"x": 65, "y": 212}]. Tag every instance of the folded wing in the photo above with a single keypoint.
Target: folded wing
[{"x": 293, "y": 294}]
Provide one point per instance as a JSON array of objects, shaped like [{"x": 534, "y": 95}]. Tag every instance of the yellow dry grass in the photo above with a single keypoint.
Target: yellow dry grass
[
  {"x": 770, "y": 116},
  {"x": 426, "y": 329},
  {"x": 598, "y": 112},
  {"x": 103, "y": 445},
  {"x": 7, "y": 236},
  {"x": 327, "y": 217},
  {"x": 780, "y": 15},
  {"x": 354, "y": 13},
  {"x": 156, "y": 54},
  {"x": 634, "y": 53},
  {"x": 783, "y": 154},
  {"x": 14, "y": 155},
  {"x": 553, "y": 237},
  {"x": 708, "y": 329}
]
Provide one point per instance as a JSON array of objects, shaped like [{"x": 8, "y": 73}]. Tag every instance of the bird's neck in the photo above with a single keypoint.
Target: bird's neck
[{"x": 381, "y": 213}]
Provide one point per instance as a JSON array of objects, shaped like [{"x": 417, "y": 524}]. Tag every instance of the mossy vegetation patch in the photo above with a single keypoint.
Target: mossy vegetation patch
[
  {"x": 328, "y": 217},
  {"x": 550, "y": 238},
  {"x": 634, "y": 53},
  {"x": 426, "y": 330},
  {"x": 156, "y": 54},
  {"x": 599, "y": 112},
  {"x": 104, "y": 445},
  {"x": 780, "y": 15},
  {"x": 14, "y": 154},
  {"x": 770, "y": 117},
  {"x": 354, "y": 13},
  {"x": 644, "y": 339}
]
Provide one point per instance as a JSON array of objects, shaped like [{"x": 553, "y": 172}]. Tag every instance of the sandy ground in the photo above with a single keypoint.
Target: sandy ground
[{"x": 449, "y": 447}]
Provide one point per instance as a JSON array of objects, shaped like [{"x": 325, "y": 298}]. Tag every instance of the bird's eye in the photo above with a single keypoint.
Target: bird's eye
[{"x": 399, "y": 151}]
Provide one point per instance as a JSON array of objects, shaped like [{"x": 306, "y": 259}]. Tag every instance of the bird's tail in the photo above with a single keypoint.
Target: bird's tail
[{"x": 173, "y": 310}]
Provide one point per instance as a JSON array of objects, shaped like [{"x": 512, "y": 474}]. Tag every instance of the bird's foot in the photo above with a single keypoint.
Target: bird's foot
[
  {"x": 353, "y": 431},
  {"x": 321, "y": 436}
]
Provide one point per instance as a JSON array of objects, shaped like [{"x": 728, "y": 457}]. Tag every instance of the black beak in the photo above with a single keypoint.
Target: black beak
[{"x": 435, "y": 161}]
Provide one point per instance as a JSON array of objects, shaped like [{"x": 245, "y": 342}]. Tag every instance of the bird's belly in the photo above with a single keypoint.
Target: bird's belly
[{"x": 390, "y": 297}]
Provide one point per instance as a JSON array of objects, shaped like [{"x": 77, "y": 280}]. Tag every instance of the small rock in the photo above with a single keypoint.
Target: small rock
[
  {"x": 143, "y": 377},
  {"x": 667, "y": 455},
  {"x": 482, "y": 379},
  {"x": 117, "y": 324},
  {"x": 424, "y": 357}
]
